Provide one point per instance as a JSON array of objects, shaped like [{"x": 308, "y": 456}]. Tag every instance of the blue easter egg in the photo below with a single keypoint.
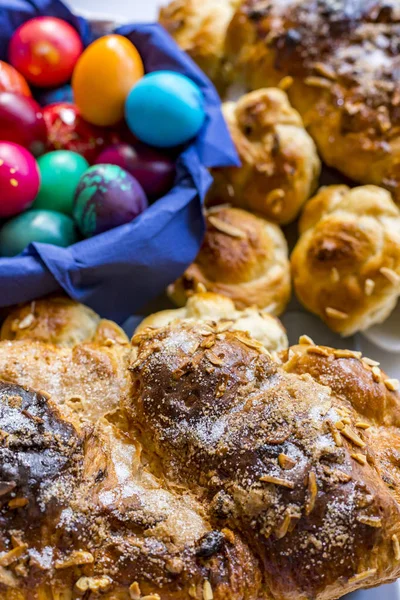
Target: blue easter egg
[{"x": 165, "y": 109}]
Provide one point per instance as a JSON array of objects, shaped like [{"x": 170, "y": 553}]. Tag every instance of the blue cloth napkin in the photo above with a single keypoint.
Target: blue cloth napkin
[{"x": 119, "y": 271}]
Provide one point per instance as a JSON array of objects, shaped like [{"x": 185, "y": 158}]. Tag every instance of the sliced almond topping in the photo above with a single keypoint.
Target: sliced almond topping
[
  {"x": 78, "y": 557},
  {"x": 277, "y": 481},
  {"x": 318, "y": 82},
  {"x": 200, "y": 288},
  {"x": 285, "y": 83},
  {"x": 369, "y": 287},
  {"x": 251, "y": 343},
  {"x": 351, "y": 435},
  {"x": 362, "y": 425},
  {"x": 339, "y": 425},
  {"x": 94, "y": 584},
  {"x": 360, "y": 458},
  {"x": 229, "y": 535},
  {"x": 396, "y": 546},
  {"x": 347, "y": 354},
  {"x": 217, "y": 208},
  {"x": 207, "y": 343},
  {"x": 134, "y": 591},
  {"x": 285, "y": 462},
  {"x": 370, "y": 362},
  {"x": 213, "y": 358},
  {"x": 335, "y": 276},
  {"x": 151, "y": 597},
  {"x": 361, "y": 576},
  {"x": 312, "y": 492},
  {"x": 26, "y": 321},
  {"x": 193, "y": 591},
  {"x": 305, "y": 340},
  {"x": 18, "y": 503},
  {"x": 282, "y": 530},
  {"x": 226, "y": 228},
  {"x": 392, "y": 384},
  {"x": 207, "y": 591},
  {"x": 324, "y": 70},
  {"x": 336, "y": 314},
  {"x": 7, "y": 558},
  {"x": 336, "y": 435},
  {"x": 391, "y": 275},
  {"x": 375, "y": 522},
  {"x": 318, "y": 350},
  {"x": 376, "y": 374}
]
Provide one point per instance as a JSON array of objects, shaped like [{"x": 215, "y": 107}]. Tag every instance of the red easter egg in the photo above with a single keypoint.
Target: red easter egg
[
  {"x": 19, "y": 179},
  {"x": 45, "y": 50},
  {"x": 12, "y": 81},
  {"x": 21, "y": 122},
  {"x": 67, "y": 130}
]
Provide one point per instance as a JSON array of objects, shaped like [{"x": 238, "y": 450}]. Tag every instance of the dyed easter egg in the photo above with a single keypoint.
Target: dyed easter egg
[
  {"x": 67, "y": 130},
  {"x": 107, "y": 196},
  {"x": 19, "y": 179},
  {"x": 153, "y": 170},
  {"x": 60, "y": 172},
  {"x": 12, "y": 81},
  {"x": 21, "y": 122},
  {"x": 55, "y": 95},
  {"x": 103, "y": 77},
  {"x": 46, "y": 226},
  {"x": 45, "y": 51},
  {"x": 165, "y": 109}
]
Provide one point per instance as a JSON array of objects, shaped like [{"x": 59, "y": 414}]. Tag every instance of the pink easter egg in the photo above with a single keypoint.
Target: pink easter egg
[{"x": 19, "y": 179}]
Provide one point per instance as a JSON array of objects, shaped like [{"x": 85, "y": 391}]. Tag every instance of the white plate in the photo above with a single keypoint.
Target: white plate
[{"x": 296, "y": 320}]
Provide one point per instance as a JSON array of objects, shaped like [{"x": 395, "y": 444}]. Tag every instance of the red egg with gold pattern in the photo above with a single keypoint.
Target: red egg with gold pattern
[
  {"x": 45, "y": 50},
  {"x": 67, "y": 130},
  {"x": 12, "y": 81},
  {"x": 19, "y": 179}
]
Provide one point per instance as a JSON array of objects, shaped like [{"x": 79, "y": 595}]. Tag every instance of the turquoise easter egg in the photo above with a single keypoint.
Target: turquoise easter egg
[
  {"x": 165, "y": 109},
  {"x": 60, "y": 173},
  {"x": 46, "y": 226}
]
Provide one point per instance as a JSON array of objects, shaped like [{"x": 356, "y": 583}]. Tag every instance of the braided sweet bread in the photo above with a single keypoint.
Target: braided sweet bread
[
  {"x": 217, "y": 474},
  {"x": 346, "y": 264},
  {"x": 339, "y": 60}
]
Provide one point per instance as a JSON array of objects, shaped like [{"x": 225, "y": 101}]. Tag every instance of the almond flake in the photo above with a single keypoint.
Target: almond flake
[
  {"x": 282, "y": 530},
  {"x": 362, "y": 425},
  {"x": 277, "y": 481},
  {"x": 318, "y": 82},
  {"x": 370, "y": 362},
  {"x": 376, "y": 374},
  {"x": 286, "y": 462},
  {"x": 7, "y": 558},
  {"x": 336, "y": 314},
  {"x": 226, "y": 228},
  {"x": 369, "y": 287},
  {"x": 392, "y": 384},
  {"x": 26, "y": 321},
  {"x": 312, "y": 492},
  {"x": 347, "y": 354},
  {"x": 305, "y": 340},
  {"x": 391, "y": 275},
  {"x": 207, "y": 591},
  {"x": 335, "y": 275},
  {"x": 134, "y": 591},
  {"x": 353, "y": 437},
  {"x": 77, "y": 557},
  {"x": 318, "y": 350},
  {"x": 286, "y": 83},
  {"x": 375, "y": 522},
  {"x": 360, "y": 458}
]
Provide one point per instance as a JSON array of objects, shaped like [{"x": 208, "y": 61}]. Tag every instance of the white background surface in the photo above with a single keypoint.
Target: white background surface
[{"x": 297, "y": 322}]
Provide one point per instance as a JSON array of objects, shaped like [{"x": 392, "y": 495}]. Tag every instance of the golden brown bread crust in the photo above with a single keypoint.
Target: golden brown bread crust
[
  {"x": 200, "y": 29},
  {"x": 244, "y": 257},
  {"x": 280, "y": 165},
  {"x": 220, "y": 474},
  {"x": 207, "y": 306},
  {"x": 346, "y": 264},
  {"x": 343, "y": 58},
  {"x": 276, "y": 455}
]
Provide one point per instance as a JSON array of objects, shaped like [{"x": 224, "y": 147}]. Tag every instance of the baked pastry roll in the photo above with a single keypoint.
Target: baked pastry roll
[
  {"x": 346, "y": 264},
  {"x": 220, "y": 474},
  {"x": 243, "y": 257},
  {"x": 207, "y": 306},
  {"x": 280, "y": 164}
]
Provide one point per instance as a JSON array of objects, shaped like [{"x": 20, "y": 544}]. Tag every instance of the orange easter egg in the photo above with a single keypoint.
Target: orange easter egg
[{"x": 103, "y": 76}]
